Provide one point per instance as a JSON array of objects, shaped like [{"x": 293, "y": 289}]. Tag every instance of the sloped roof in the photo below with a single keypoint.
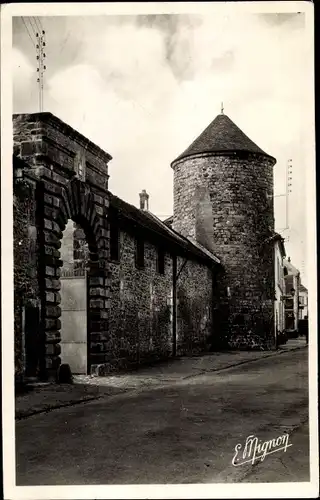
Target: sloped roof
[
  {"x": 222, "y": 135},
  {"x": 302, "y": 288},
  {"x": 290, "y": 268},
  {"x": 278, "y": 237},
  {"x": 149, "y": 221},
  {"x": 168, "y": 221},
  {"x": 273, "y": 238},
  {"x": 187, "y": 241}
]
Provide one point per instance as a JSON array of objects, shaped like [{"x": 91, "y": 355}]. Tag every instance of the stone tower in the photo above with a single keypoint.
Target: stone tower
[{"x": 223, "y": 198}]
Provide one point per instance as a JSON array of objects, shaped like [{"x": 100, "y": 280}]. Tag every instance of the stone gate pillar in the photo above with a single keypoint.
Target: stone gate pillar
[{"x": 73, "y": 174}]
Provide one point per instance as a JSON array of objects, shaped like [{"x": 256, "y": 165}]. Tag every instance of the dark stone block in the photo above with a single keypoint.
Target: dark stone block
[
  {"x": 29, "y": 148},
  {"x": 64, "y": 374}
]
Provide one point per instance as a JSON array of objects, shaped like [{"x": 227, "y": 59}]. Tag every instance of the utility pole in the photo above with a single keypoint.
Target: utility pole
[
  {"x": 40, "y": 46},
  {"x": 288, "y": 190},
  {"x": 35, "y": 29},
  {"x": 287, "y": 193}
]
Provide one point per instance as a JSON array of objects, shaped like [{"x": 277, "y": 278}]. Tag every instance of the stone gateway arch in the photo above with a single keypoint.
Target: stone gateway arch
[{"x": 72, "y": 175}]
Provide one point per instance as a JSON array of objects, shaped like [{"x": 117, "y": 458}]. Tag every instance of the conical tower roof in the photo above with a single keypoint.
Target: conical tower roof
[{"x": 221, "y": 136}]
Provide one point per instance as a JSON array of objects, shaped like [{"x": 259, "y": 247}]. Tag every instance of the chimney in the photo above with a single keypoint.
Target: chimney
[{"x": 144, "y": 200}]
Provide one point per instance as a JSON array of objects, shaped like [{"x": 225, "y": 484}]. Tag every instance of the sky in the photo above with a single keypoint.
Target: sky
[{"x": 144, "y": 87}]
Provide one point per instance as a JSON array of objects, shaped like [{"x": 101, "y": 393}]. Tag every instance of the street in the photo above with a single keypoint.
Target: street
[{"x": 184, "y": 432}]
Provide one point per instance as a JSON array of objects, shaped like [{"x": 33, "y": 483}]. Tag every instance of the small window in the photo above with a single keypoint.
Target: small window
[
  {"x": 114, "y": 241},
  {"x": 139, "y": 253},
  {"x": 160, "y": 261},
  {"x": 81, "y": 167}
]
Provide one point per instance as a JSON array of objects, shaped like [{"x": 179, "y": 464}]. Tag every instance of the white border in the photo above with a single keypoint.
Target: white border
[{"x": 279, "y": 490}]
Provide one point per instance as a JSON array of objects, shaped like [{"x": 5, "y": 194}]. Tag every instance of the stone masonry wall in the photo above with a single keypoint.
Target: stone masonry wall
[
  {"x": 140, "y": 324},
  {"x": 42, "y": 135},
  {"x": 141, "y": 307},
  {"x": 240, "y": 189},
  {"x": 194, "y": 307},
  {"x": 26, "y": 288}
]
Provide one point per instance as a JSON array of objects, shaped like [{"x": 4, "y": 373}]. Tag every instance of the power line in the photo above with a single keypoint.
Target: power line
[
  {"x": 37, "y": 23},
  {"x": 35, "y": 20},
  {"x": 40, "y": 23},
  {"x": 32, "y": 26},
  {"x": 28, "y": 32},
  {"x": 64, "y": 42}
]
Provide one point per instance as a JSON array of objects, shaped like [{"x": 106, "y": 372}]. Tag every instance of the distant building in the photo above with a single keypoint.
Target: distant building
[
  {"x": 292, "y": 283},
  {"x": 279, "y": 304},
  {"x": 303, "y": 302}
]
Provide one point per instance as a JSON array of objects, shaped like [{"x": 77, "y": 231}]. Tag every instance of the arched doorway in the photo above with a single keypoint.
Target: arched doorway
[
  {"x": 74, "y": 202},
  {"x": 74, "y": 304}
]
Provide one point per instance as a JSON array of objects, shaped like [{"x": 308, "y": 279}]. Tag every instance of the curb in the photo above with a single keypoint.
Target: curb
[
  {"x": 23, "y": 415},
  {"x": 275, "y": 353},
  {"x": 30, "y": 413}
]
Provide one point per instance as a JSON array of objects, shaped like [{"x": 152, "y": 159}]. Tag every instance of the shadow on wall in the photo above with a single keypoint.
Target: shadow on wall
[
  {"x": 219, "y": 338},
  {"x": 244, "y": 327},
  {"x": 154, "y": 335},
  {"x": 193, "y": 325},
  {"x": 141, "y": 338},
  {"x": 221, "y": 311}
]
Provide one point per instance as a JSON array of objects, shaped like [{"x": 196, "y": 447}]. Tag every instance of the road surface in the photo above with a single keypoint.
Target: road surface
[{"x": 184, "y": 432}]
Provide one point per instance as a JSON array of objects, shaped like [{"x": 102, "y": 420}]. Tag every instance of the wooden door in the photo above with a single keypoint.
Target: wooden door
[{"x": 74, "y": 322}]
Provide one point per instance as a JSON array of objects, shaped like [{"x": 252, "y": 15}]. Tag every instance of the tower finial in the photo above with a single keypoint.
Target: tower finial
[{"x": 222, "y": 108}]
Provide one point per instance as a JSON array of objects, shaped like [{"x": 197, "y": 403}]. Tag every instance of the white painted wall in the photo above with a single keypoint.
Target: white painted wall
[
  {"x": 295, "y": 273},
  {"x": 296, "y": 286},
  {"x": 303, "y": 299},
  {"x": 279, "y": 314}
]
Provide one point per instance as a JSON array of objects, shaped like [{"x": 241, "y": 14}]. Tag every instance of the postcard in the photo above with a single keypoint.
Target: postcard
[{"x": 159, "y": 332}]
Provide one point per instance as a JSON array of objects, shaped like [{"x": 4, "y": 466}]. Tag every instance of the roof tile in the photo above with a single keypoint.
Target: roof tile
[
  {"x": 222, "y": 135},
  {"x": 149, "y": 221}
]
